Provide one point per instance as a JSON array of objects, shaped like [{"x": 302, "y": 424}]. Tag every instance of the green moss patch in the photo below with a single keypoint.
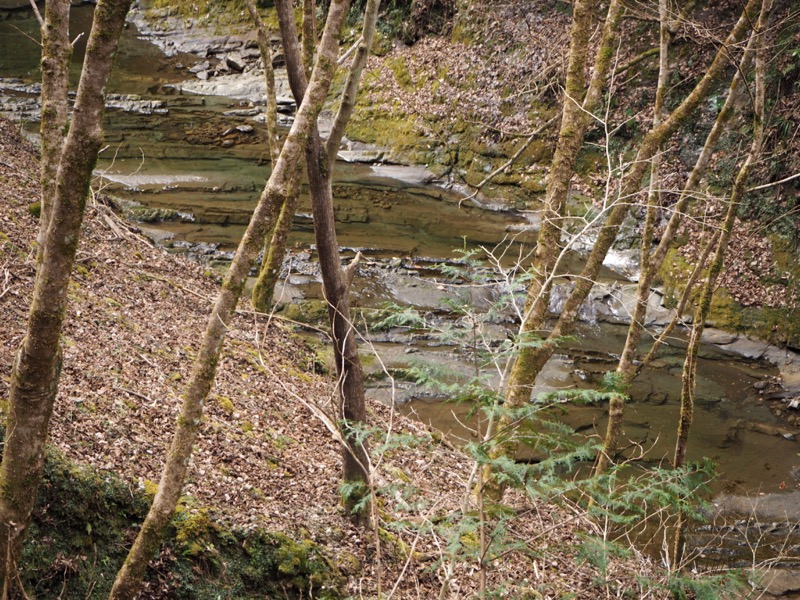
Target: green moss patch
[{"x": 85, "y": 521}]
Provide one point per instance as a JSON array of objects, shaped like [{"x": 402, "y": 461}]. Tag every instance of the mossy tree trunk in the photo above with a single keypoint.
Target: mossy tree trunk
[
  {"x": 276, "y": 239},
  {"x": 129, "y": 578},
  {"x": 320, "y": 160},
  {"x": 579, "y": 101},
  {"x": 35, "y": 374},
  {"x": 56, "y": 53},
  {"x": 627, "y": 368},
  {"x": 536, "y": 357},
  {"x": 688, "y": 378}
]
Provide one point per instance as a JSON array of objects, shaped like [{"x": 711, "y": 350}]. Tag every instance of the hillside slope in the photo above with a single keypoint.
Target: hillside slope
[{"x": 264, "y": 459}]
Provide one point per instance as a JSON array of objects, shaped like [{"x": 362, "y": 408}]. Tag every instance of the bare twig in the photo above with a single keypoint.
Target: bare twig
[
  {"x": 136, "y": 394},
  {"x": 511, "y": 160},
  {"x": 37, "y": 13},
  {"x": 774, "y": 183}
]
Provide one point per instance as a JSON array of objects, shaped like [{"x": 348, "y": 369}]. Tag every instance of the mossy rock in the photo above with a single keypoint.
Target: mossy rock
[
  {"x": 538, "y": 151},
  {"x": 777, "y": 325},
  {"x": 311, "y": 312},
  {"x": 483, "y": 148},
  {"x": 725, "y": 312},
  {"x": 146, "y": 214},
  {"x": 393, "y": 130},
  {"x": 535, "y": 184},
  {"x": 590, "y": 162}
]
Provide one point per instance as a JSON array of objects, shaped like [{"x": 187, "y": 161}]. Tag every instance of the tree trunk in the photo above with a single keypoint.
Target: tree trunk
[
  {"x": 56, "y": 53},
  {"x": 320, "y": 160},
  {"x": 129, "y": 578},
  {"x": 522, "y": 378},
  {"x": 627, "y": 369},
  {"x": 688, "y": 379},
  {"x": 574, "y": 122},
  {"x": 35, "y": 374}
]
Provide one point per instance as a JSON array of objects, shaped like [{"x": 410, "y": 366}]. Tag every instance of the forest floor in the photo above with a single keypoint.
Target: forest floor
[{"x": 264, "y": 457}]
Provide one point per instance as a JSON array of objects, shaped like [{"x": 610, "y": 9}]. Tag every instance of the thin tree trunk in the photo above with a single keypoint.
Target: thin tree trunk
[
  {"x": 275, "y": 245},
  {"x": 348, "y": 102},
  {"x": 35, "y": 374},
  {"x": 276, "y": 239},
  {"x": 56, "y": 53},
  {"x": 320, "y": 160},
  {"x": 535, "y": 358},
  {"x": 688, "y": 379},
  {"x": 274, "y": 251},
  {"x": 129, "y": 578},
  {"x": 735, "y": 94},
  {"x": 627, "y": 368},
  {"x": 262, "y": 36},
  {"x": 336, "y": 281},
  {"x": 616, "y": 402}
]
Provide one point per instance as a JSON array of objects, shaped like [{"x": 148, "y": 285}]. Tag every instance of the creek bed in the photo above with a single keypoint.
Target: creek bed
[{"x": 175, "y": 152}]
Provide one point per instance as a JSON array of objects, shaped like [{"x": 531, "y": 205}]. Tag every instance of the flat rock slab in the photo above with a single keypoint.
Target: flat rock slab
[
  {"x": 776, "y": 582},
  {"x": 718, "y": 336},
  {"x": 769, "y": 507}
]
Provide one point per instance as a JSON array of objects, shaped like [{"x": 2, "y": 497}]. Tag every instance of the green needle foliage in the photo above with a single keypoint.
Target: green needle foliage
[{"x": 628, "y": 502}]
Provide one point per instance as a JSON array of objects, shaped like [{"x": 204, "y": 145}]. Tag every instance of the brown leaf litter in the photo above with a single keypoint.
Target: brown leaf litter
[{"x": 135, "y": 317}]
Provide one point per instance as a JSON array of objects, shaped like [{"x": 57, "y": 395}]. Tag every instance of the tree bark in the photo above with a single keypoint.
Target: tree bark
[
  {"x": 262, "y": 36},
  {"x": 129, "y": 578},
  {"x": 320, "y": 159},
  {"x": 35, "y": 374},
  {"x": 523, "y": 377},
  {"x": 56, "y": 53},
  {"x": 689, "y": 376}
]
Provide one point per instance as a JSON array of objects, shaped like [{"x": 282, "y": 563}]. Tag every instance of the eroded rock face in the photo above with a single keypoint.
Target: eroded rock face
[{"x": 13, "y": 4}]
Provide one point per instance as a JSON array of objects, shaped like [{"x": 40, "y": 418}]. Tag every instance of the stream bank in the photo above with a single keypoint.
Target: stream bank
[
  {"x": 377, "y": 191},
  {"x": 190, "y": 166}
]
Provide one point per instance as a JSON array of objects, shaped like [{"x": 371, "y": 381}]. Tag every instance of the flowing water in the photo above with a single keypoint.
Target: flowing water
[{"x": 185, "y": 160}]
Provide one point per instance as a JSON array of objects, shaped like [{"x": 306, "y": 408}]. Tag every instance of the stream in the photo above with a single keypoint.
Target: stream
[{"x": 190, "y": 168}]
